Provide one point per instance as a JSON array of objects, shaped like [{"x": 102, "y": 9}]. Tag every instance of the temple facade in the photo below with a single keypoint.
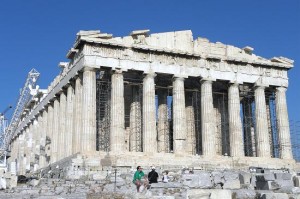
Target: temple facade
[{"x": 153, "y": 96}]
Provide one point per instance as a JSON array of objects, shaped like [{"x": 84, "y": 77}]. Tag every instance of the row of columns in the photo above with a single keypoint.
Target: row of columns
[
  {"x": 68, "y": 124},
  {"x": 154, "y": 143}
]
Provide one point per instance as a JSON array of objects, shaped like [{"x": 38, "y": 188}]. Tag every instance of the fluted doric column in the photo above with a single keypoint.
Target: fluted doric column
[
  {"x": 55, "y": 131},
  {"x": 77, "y": 119},
  {"x": 262, "y": 134},
  {"x": 49, "y": 134},
  {"x": 190, "y": 122},
  {"x": 135, "y": 135},
  {"x": 208, "y": 125},
  {"x": 43, "y": 134},
  {"x": 88, "y": 136},
  {"x": 37, "y": 137},
  {"x": 62, "y": 125},
  {"x": 179, "y": 116},
  {"x": 283, "y": 124},
  {"x": 235, "y": 122},
  {"x": 149, "y": 120},
  {"x": 28, "y": 145},
  {"x": 21, "y": 153},
  {"x": 163, "y": 122},
  {"x": 117, "y": 123},
  {"x": 69, "y": 121}
]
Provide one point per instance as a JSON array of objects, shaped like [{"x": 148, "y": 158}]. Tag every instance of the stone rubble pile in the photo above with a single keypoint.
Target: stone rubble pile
[{"x": 184, "y": 183}]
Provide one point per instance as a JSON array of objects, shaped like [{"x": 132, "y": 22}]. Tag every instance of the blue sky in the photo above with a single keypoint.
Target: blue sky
[{"x": 37, "y": 34}]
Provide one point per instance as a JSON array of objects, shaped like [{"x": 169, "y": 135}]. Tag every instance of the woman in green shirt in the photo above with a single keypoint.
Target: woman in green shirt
[{"x": 138, "y": 178}]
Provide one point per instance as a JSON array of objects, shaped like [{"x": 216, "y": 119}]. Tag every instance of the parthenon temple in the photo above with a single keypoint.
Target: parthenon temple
[{"x": 163, "y": 97}]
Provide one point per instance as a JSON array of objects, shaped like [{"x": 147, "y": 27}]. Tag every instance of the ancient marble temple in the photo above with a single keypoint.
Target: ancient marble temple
[{"x": 166, "y": 98}]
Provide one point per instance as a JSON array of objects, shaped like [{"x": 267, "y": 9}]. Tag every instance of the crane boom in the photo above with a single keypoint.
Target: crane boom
[{"x": 24, "y": 98}]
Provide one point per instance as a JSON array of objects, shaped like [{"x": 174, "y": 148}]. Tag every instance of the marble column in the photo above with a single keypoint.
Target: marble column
[
  {"x": 37, "y": 146},
  {"x": 179, "y": 116},
  {"x": 135, "y": 135},
  {"x": 149, "y": 119},
  {"x": 33, "y": 141},
  {"x": 235, "y": 122},
  {"x": 163, "y": 122},
  {"x": 218, "y": 124},
  {"x": 62, "y": 126},
  {"x": 190, "y": 122},
  {"x": 21, "y": 153},
  {"x": 55, "y": 131},
  {"x": 43, "y": 134},
  {"x": 27, "y": 149},
  {"x": 88, "y": 136},
  {"x": 117, "y": 123},
  {"x": 283, "y": 124},
  {"x": 77, "y": 119},
  {"x": 69, "y": 121},
  {"x": 262, "y": 134},
  {"x": 207, "y": 119},
  {"x": 49, "y": 134}
]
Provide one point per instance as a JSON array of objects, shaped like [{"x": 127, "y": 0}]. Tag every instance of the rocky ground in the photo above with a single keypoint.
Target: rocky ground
[{"x": 184, "y": 183}]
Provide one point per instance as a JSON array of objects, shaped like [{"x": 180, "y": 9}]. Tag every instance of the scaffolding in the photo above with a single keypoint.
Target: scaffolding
[
  {"x": 222, "y": 122},
  {"x": 103, "y": 89},
  {"x": 133, "y": 117},
  {"x": 295, "y": 139}
]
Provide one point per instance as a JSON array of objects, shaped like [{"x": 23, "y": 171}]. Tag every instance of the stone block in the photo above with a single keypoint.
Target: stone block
[
  {"x": 12, "y": 182},
  {"x": 253, "y": 180},
  {"x": 245, "y": 178},
  {"x": 166, "y": 185},
  {"x": 99, "y": 176},
  {"x": 208, "y": 194},
  {"x": 34, "y": 182},
  {"x": 232, "y": 184},
  {"x": 274, "y": 196},
  {"x": 231, "y": 175},
  {"x": 205, "y": 180},
  {"x": 296, "y": 180},
  {"x": 191, "y": 180},
  {"x": 218, "y": 177},
  {"x": 290, "y": 190},
  {"x": 267, "y": 185},
  {"x": 285, "y": 183},
  {"x": 265, "y": 177},
  {"x": 283, "y": 176},
  {"x": 244, "y": 193},
  {"x": 2, "y": 183}
]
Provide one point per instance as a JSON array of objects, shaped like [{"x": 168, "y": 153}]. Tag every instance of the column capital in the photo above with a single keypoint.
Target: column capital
[
  {"x": 88, "y": 68},
  {"x": 259, "y": 84},
  {"x": 207, "y": 80},
  {"x": 181, "y": 78},
  {"x": 117, "y": 71},
  {"x": 260, "y": 87},
  {"x": 234, "y": 84},
  {"x": 150, "y": 74},
  {"x": 281, "y": 89}
]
